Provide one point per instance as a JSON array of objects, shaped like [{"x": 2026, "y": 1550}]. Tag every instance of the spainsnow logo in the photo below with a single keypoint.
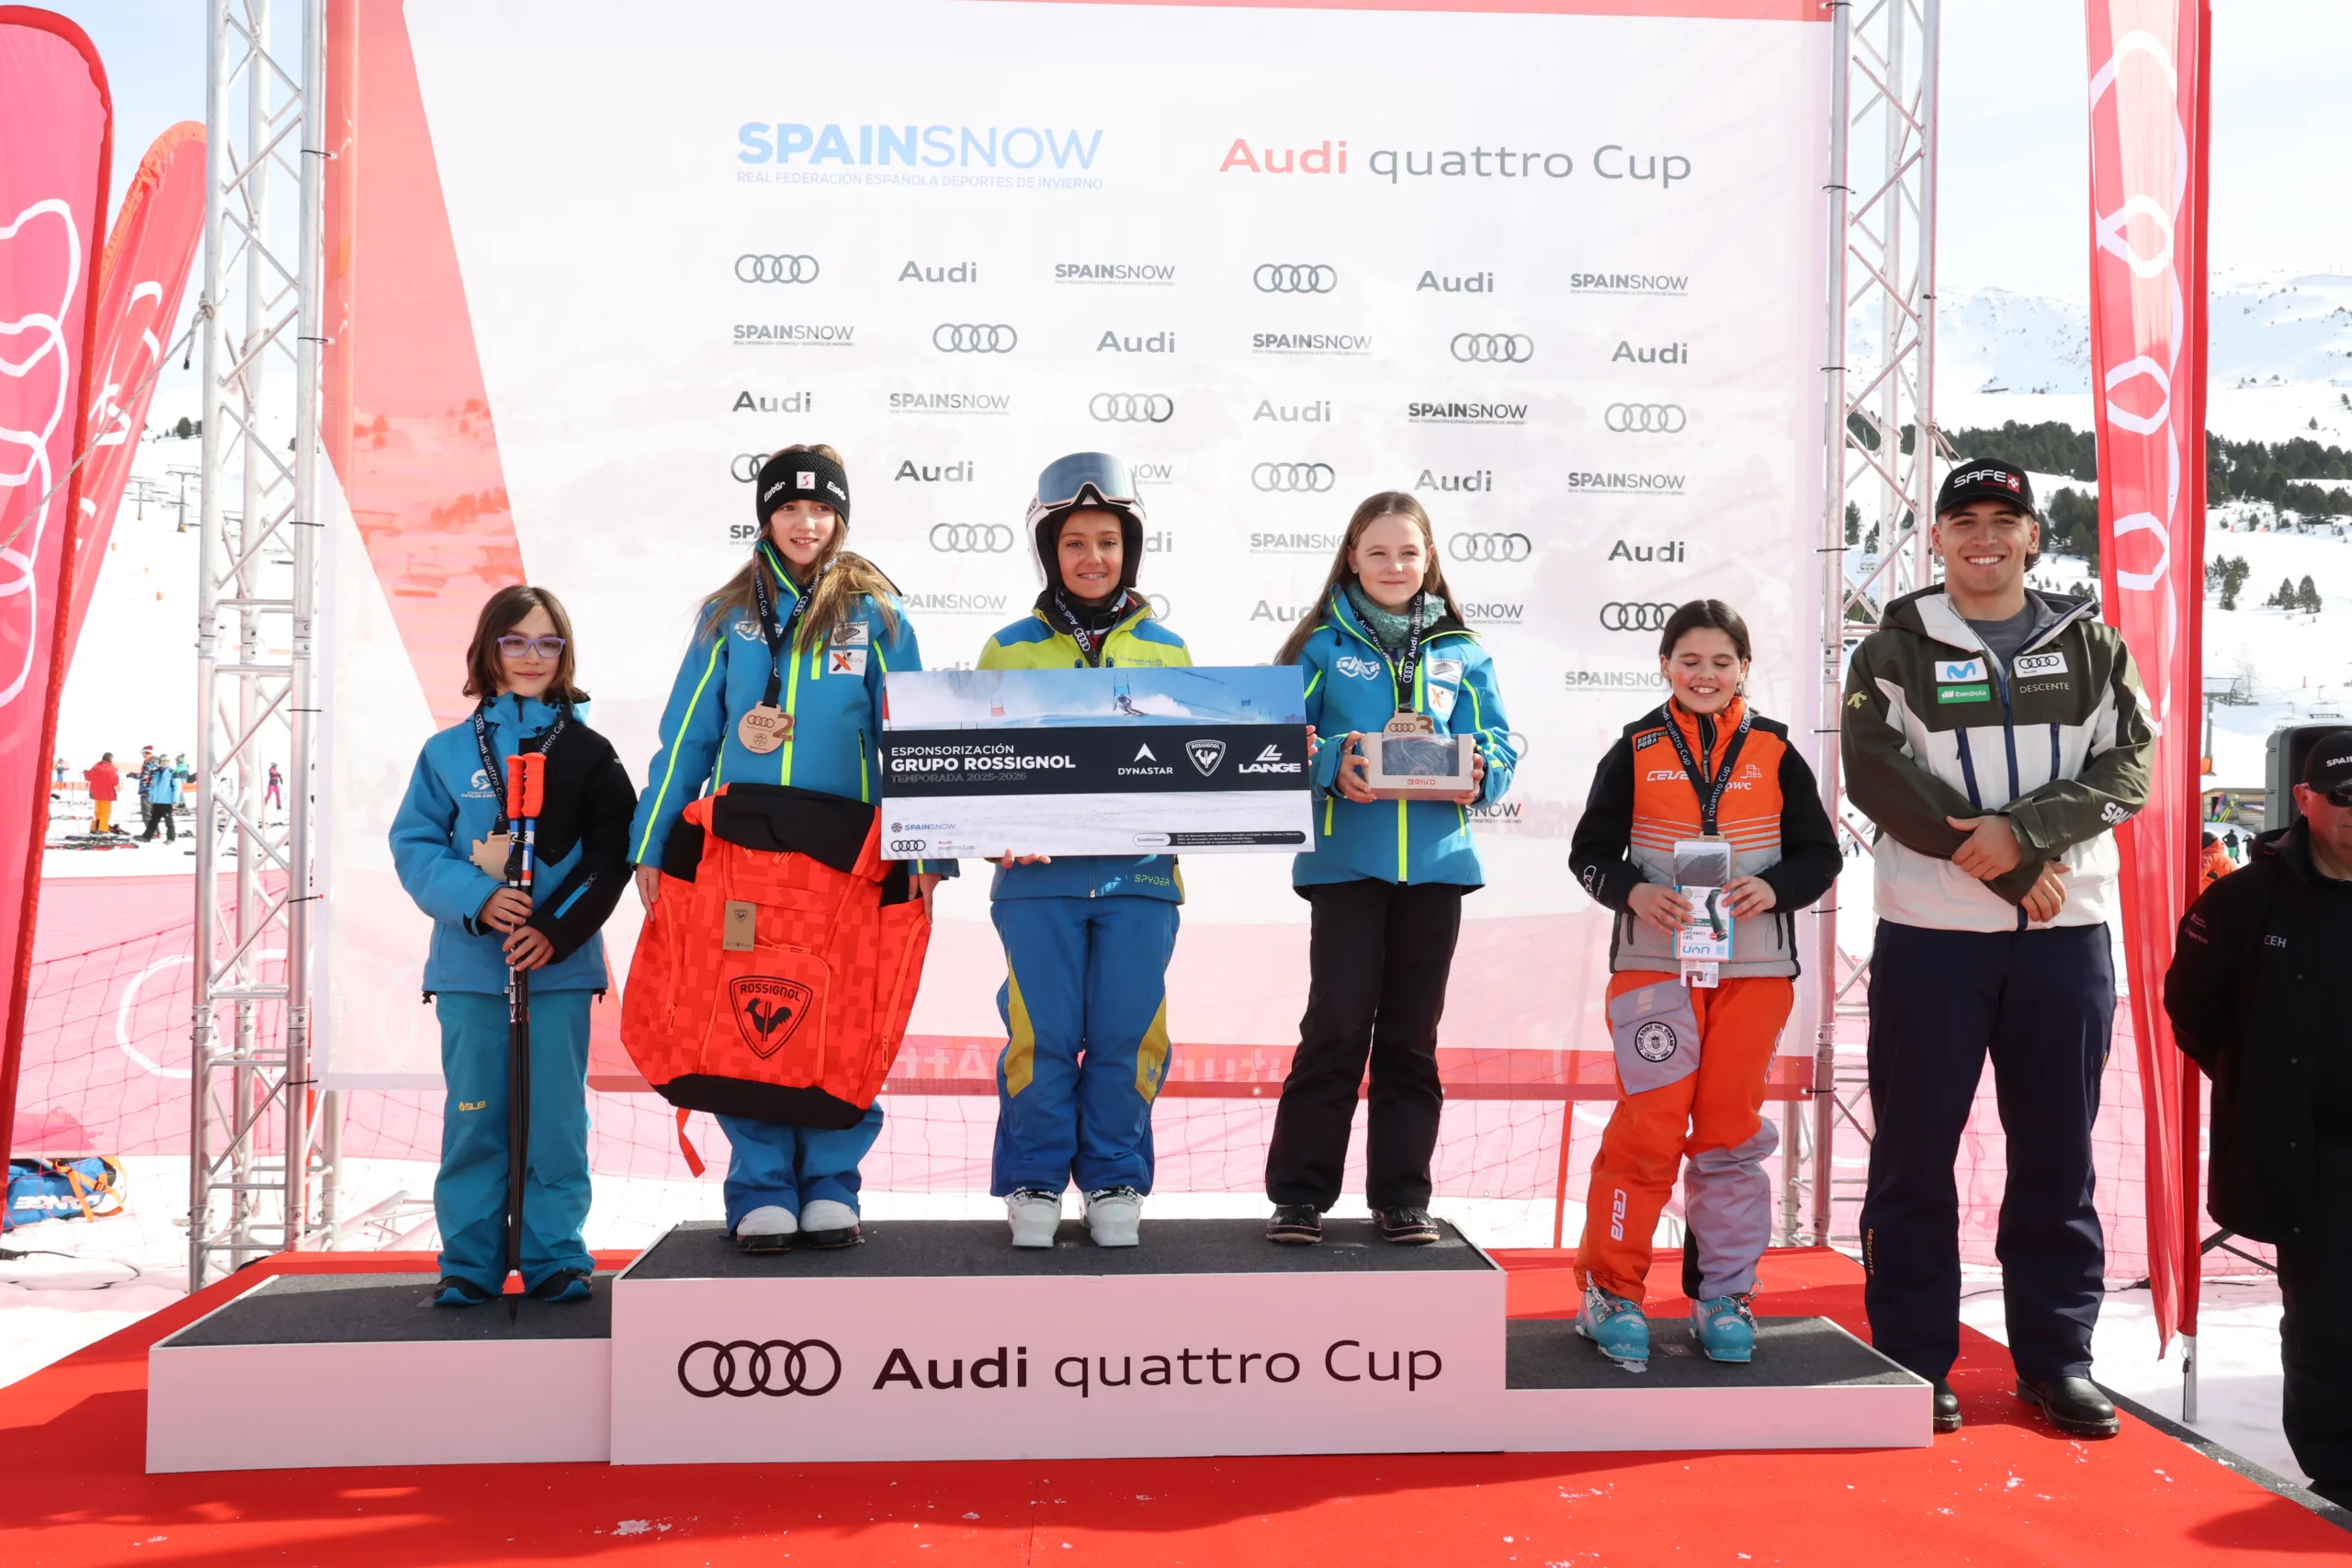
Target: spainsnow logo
[{"x": 912, "y": 146}]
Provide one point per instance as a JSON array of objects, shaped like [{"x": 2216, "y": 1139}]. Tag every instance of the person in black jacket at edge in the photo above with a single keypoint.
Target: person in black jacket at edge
[{"x": 2260, "y": 996}]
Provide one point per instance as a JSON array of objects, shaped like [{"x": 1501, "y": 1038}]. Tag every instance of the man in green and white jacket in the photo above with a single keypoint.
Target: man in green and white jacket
[{"x": 1997, "y": 736}]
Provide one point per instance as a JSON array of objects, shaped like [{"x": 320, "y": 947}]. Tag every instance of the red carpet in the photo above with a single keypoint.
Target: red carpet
[{"x": 2004, "y": 1491}]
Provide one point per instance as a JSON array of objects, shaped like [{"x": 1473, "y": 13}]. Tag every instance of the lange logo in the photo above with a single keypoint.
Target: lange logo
[
  {"x": 768, "y": 1012},
  {"x": 1132, "y": 407},
  {"x": 1645, "y": 419},
  {"x": 746, "y": 467},
  {"x": 1294, "y": 477},
  {"x": 971, "y": 538},
  {"x": 1295, "y": 277},
  {"x": 1493, "y": 348},
  {"x": 1206, "y": 755},
  {"x": 741, "y": 1368},
  {"x": 1489, "y": 547},
  {"x": 968, "y": 337},
  {"x": 1618, "y": 616},
  {"x": 775, "y": 270}
]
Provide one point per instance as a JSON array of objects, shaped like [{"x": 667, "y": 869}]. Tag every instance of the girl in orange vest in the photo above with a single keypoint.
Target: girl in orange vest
[{"x": 1693, "y": 1040}]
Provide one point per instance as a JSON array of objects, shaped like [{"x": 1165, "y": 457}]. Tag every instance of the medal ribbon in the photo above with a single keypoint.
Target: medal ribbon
[
  {"x": 1709, "y": 791},
  {"x": 778, "y": 635},
  {"x": 1406, "y": 667},
  {"x": 1088, "y": 640}
]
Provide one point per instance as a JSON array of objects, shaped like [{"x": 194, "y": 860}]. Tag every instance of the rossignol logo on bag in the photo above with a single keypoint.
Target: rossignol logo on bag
[{"x": 767, "y": 1010}]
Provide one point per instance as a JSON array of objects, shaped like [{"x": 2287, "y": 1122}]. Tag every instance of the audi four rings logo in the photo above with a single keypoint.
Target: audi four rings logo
[
  {"x": 1621, "y": 616},
  {"x": 1645, "y": 419},
  {"x": 1133, "y": 408},
  {"x": 1490, "y": 547},
  {"x": 777, "y": 269},
  {"x": 965, "y": 337},
  {"x": 1290, "y": 277},
  {"x": 1493, "y": 348},
  {"x": 971, "y": 538},
  {"x": 742, "y": 1369},
  {"x": 746, "y": 467},
  {"x": 1294, "y": 476}
]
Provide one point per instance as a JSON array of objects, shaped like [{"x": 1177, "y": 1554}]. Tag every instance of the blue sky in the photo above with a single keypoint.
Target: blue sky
[{"x": 2012, "y": 196}]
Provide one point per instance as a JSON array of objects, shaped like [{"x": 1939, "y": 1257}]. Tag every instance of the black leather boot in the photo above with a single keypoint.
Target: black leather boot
[
  {"x": 2074, "y": 1405},
  {"x": 1946, "y": 1405}
]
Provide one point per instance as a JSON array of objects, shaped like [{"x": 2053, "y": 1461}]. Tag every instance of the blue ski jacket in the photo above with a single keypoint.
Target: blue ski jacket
[
  {"x": 832, "y": 691},
  {"x": 1351, "y": 685},
  {"x": 581, "y": 868}
]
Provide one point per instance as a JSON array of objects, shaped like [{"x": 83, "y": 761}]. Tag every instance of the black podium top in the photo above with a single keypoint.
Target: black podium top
[
  {"x": 916, "y": 1249},
  {"x": 367, "y": 1309}
]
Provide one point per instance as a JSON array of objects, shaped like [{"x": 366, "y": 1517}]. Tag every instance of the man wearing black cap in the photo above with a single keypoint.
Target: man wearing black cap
[
  {"x": 1995, "y": 736},
  {"x": 2260, "y": 995}
]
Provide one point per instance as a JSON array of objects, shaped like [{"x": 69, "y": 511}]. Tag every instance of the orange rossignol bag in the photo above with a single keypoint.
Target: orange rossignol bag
[{"x": 775, "y": 972}]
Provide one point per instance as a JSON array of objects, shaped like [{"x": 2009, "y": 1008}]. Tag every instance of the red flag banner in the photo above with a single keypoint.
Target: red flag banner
[
  {"x": 55, "y": 127},
  {"x": 139, "y": 283},
  {"x": 2148, "y": 83}
]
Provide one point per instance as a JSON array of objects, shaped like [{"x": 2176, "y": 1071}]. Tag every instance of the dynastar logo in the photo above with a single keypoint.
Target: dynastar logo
[
  {"x": 1206, "y": 755},
  {"x": 768, "y": 1012}
]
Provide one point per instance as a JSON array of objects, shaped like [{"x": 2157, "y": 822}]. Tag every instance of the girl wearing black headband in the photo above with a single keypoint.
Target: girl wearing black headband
[{"x": 783, "y": 686}]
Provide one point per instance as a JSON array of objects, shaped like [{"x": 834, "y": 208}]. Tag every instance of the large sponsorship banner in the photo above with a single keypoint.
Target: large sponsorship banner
[{"x": 1555, "y": 269}]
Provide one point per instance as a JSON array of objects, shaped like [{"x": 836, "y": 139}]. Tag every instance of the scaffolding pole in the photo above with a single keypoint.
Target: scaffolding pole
[
  {"x": 257, "y": 1181},
  {"x": 1880, "y": 453}
]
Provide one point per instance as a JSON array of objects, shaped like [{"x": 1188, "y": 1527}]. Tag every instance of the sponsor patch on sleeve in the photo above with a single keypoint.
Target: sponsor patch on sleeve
[
  {"x": 2052, "y": 662},
  {"x": 1951, "y": 670},
  {"x": 845, "y": 661}
]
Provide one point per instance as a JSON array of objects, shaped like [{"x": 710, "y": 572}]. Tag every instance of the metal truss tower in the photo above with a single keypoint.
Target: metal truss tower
[
  {"x": 259, "y": 1179},
  {"x": 1882, "y": 454}
]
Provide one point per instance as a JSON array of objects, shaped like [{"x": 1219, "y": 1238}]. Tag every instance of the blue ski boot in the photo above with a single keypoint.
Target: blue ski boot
[
  {"x": 1617, "y": 1326},
  {"x": 1724, "y": 1327}
]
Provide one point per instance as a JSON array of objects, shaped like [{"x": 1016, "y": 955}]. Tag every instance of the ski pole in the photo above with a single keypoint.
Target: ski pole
[{"x": 526, "y": 787}]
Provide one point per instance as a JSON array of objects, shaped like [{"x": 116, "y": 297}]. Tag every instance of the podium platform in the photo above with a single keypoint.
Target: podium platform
[
  {"x": 935, "y": 1339},
  {"x": 309, "y": 1370}
]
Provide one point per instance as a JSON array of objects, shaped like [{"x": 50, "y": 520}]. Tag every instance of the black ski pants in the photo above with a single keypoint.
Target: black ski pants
[
  {"x": 2042, "y": 1004},
  {"x": 1377, "y": 959},
  {"x": 2315, "y": 1330}
]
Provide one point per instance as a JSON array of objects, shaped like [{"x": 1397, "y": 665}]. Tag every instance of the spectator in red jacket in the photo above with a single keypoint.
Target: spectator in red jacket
[{"x": 103, "y": 781}]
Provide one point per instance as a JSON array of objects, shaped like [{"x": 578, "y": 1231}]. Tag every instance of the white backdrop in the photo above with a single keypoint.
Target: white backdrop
[{"x": 1562, "y": 278}]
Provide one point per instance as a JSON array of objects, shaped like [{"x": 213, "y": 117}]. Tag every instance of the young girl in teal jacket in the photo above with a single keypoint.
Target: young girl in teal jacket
[
  {"x": 783, "y": 685},
  {"x": 1385, "y": 877}
]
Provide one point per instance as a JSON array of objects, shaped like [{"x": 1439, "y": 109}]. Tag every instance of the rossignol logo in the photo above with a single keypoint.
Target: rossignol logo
[
  {"x": 767, "y": 1010},
  {"x": 959, "y": 272},
  {"x": 1146, "y": 275},
  {"x": 1269, "y": 761},
  {"x": 1628, "y": 282},
  {"x": 1456, "y": 283},
  {"x": 774, "y": 403},
  {"x": 1667, "y": 553},
  {"x": 775, "y": 270},
  {"x": 1619, "y": 482},
  {"x": 1348, "y": 344},
  {"x": 1292, "y": 413},
  {"x": 795, "y": 334},
  {"x": 952, "y": 402},
  {"x": 957, "y": 473},
  {"x": 1465, "y": 414},
  {"x": 915, "y": 147},
  {"x": 1205, "y": 755}
]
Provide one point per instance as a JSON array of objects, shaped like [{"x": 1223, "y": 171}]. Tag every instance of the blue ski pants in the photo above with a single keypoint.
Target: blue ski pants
[
  {"x": 1085, "y": 1009},
  {"x": 469, "y": 1193},
  {"x": 777, "y": 1166},
  {"x": 2042, "y": 1004}
]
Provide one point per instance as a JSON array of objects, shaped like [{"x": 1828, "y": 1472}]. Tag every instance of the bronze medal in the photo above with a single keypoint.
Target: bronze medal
[
  {"x": 1410, "y": 724},
  {"x": 490, "y": 854},
  {"x": 763, "y": 730}
]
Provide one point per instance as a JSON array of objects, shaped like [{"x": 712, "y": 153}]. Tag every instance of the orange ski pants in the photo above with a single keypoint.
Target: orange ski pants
[{"x": 1712, "y": 1115}]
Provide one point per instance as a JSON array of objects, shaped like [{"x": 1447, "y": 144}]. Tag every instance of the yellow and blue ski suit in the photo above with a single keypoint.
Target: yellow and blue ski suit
[
  {"x": 832, "y": 690},
  {"x": 1087, "y": 941}
]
